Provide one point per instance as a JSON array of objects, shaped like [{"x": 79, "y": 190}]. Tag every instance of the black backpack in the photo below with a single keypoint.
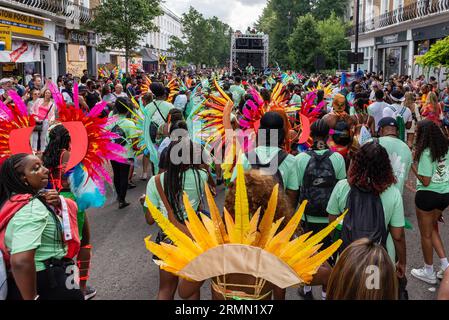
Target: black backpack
[
  {"x": 365, "y": 218},
  {"x": 121, "y": 140},
  {"x": 318, "y": 183},
  {"x": 280, "y": 157},
  {"x": 154, "y": 128}
]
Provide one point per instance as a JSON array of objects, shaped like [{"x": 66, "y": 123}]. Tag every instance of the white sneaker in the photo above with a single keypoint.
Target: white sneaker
[{"x": 422, "y": 275}]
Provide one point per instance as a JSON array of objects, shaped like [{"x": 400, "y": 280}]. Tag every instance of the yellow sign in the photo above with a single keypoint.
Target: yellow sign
[
  {"x": 21, "y": 23},
  {"x": 162, "y": 59},
  {"x": 5, "y": 38}
]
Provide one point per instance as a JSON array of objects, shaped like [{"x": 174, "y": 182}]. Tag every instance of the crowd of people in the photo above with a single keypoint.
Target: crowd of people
[{"x": 341, "y": 143}]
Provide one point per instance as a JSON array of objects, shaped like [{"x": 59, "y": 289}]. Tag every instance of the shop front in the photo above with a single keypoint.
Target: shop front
[
  {"x": 76, "y": 52},
  {"x": 393, "y": 54},
  {"x": 25, "y": 50}
]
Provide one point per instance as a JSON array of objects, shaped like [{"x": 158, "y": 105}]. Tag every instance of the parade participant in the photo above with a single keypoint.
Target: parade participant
[
  {"x": 106, "y": 95},
  {"x": 55, "y": 159},
  {"x": 237, "y": 91},
  {"x": 364, "y": 185},
  {"x": 363, "y": 124},
  {"x": 318, "y": 169},
  {"x": 146, "y": 100},
  {"x": 67, "y": 92},
  {"x": 269, "y": 155},
  {"x": 31, "y": 99},
  {"x": 218, "y": 250},
  {"x": 410, "y": 102},
  {"x": 350, "y": 275},
  {"x": 166, "y": 190},
  {"x": 340, "y": 123},
  {"x": 158, "y": 110},
  {"x": 92, "y": 96},
  {"x": 376, "y": 109},
  {"x": 401, "y": 113},
  {"x": 398, "y": 152},
  {"x": 432, "y": 196},
  {"x": 44, "y": 111},
  {"x": 124, "y": 128},
  {"x": 432, "y": 109},
  {"x": 32, "y": 236}
]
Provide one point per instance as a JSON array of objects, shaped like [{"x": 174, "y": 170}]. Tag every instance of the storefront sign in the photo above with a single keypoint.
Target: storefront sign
[
  {"x": 21, "y": 23},
  {"x": 393, "y": 38},
  {"x": 5, "y": 39},
  {"x": 22, "y": 51}
]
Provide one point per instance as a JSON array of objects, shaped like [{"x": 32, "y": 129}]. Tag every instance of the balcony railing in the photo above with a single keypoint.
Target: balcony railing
[
  {"x": 66, "y": 8},
  {"x": 415, "y": 10}
]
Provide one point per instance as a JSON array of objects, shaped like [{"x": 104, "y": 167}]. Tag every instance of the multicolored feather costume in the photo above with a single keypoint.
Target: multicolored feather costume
[{"x": 216, "y": 246}]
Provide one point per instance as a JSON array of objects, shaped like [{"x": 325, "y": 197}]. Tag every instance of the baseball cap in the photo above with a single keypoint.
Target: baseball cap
[{"x": 387, "y": 122}]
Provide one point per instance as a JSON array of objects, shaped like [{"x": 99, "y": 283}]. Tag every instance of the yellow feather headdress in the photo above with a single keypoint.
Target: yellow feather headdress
[{"x": 242, "y": 245}]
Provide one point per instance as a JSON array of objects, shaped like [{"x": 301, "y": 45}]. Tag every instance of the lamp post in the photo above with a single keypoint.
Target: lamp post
[
  {"x": 356, "y": 41},
  {"x": 289, "y": 17}
]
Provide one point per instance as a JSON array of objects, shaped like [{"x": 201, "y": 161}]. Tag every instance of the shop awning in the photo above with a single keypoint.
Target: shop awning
[
  {"x": 148, "y": 55},
  {"x": 31, "y": 38}
]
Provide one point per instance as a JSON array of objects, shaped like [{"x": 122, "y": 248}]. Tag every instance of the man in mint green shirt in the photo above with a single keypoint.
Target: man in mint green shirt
[
  {"x": 320, "y": 134},
  {"x": 398, "y": 151},
  {"x": 237, "y": 91},
  {"x": 269, "y": 154}
]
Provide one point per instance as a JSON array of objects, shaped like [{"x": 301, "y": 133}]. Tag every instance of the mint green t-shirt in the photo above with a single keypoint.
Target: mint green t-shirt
[
  {"x": 191, "y": 185},
  {"x": 296, "y": 100},
  {"x": 33, "y": 228},
  {"x": 437, "y": 170},
  {"x": 400, "y": 158},
  {"x": 237, "y": 93},
  {"x": 130, "y": 130},
  {"x": 338, "y": 162},
  {"x": 153, "y": 113},
  {"x": 287, "y": 167},
  {"x": 391, "y": 202}
]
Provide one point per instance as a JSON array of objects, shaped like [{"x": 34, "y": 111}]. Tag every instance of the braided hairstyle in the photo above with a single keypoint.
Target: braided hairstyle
[
  {"x": 11, "y": 183},
  {"x": 10, "y": 178},
  {"x": 181, "y": 158},
  {"x": 59, "y": 139},
  {"x": 429, "y": 135},
  {"x": 371, "y": 159}
]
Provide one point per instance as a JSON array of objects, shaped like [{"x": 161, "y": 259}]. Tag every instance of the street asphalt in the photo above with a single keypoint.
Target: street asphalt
[{"x": 122, "y": 268}]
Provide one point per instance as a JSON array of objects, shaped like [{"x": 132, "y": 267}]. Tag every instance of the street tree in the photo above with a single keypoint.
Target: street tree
[
  {"x": 204, "y": 41},
  {"x": 121, "y": 24},
  {"x": 437, "y": 56},
  {"x": 303, "y": 44},
  {"x": 332, "y": 38}
]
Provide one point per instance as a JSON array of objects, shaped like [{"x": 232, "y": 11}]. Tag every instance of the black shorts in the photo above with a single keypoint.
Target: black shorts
[{"x": 429, "y": 200}]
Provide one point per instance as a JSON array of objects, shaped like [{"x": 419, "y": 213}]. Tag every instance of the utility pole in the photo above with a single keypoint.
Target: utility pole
[
  {"x": 357, "y": 24},
  {"x": 289, "y": 17}
]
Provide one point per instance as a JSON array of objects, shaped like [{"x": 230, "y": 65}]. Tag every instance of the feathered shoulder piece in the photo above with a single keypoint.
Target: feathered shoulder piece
[
  {"x": 16, "y": 126},
  {"x": 91, "y": 142},
  {"x": 217, "y": 247}
]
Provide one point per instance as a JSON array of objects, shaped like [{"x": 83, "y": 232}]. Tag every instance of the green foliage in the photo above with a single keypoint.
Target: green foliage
[
  {"x": 205, "y": 41},
  {"x": 280, "y": 19},
  {"x": 438, "y": 55},
  {"x": 332, "y": 38},
  {"x": 122, "y": 24},
  {"x": 302, "y": 44}
]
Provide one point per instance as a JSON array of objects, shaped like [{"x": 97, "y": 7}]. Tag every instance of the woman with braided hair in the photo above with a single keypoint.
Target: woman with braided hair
[
  {"x": 186, "y": 172},
  {"x": 432, "y": 196},
  {"x": 31, "y": 235},
  {"x": 55, "y": 158}
]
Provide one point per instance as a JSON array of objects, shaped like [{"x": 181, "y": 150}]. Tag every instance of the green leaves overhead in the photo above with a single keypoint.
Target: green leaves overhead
[
  {"x": 295, "y": 48},
  {"x": 121, "y": 24},
  {"x": 205, "y": 41},
  {"x": 438, "y": 55}
]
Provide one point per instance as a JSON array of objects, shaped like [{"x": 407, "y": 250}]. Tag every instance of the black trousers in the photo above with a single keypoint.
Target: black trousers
[
  {"x": 121, "y": 174},
  {"x": 51, "y": 285}
]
